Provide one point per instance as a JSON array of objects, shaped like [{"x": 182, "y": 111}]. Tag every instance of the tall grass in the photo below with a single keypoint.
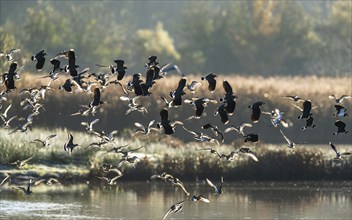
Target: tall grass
[{"x": 184, "y": 160}]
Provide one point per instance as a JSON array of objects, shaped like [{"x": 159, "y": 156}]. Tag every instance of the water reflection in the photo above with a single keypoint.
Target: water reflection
[{"x": 150, "y": 200}]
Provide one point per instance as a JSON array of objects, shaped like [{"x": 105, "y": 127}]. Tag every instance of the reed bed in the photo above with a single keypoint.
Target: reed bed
[{"x": 167, "y": 154}]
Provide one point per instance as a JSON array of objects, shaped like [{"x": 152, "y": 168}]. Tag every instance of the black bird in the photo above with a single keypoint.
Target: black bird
[
  {"x": 199, "y": 104},
  {"x": 307, "y": 107},
  {"x": 9, "y": 78},
  {"x": 338, "y": 154},
  {"x": 54, "y": 73},
  {"x": 223, "y": 114},
  {"x": 70, "y": 145},
  {"x": 165, "y": 123},
  {"x": 174, "y": 208},
  {"x": 136, "y": 84},
  {"x": 229, "y": 99},
  {"x": 217, "y": 188},
  {"x": 211, "y": 81},
  {"x": 9, "y": 56},
  {"x": 40, "y": 58},
  {"x": 67, "y": 86},
  {"x": 120, "y": 69},
  {"x": 341, "y": 111},
  {"x": 96, "y": 99},
  {"x": 341, "y": 127},
  {"x": 149, "y": 79},
  {"x": 251, "y": 137},
  {"x": 340, "y": 99},
  {"x": 256, "y": 111},
  {"x": 309, "y": 123},
  {"x": 152, "y": 61},
  {"x": 178, "y": 93},
  {"x": 71, "y": 56}
]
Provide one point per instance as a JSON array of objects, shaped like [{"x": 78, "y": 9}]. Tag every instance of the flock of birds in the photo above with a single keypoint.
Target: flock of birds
[{"x": 95, "y": 83}]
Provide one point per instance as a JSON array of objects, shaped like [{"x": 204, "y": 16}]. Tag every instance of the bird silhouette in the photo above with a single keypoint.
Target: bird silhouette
[
  {"x": 256, "y": 111},
  {"x": 69, "y": 145},
  {"x": 40, "y": 58},
  {"x": 210, "y": 78},
  {"x": 341, "y": 127}
]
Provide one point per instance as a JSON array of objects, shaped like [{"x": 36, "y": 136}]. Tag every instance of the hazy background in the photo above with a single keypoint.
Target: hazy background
[{"x": 247, "y": 37}]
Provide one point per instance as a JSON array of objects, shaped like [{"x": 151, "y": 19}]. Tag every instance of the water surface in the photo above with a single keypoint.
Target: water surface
[{"x": 151, "y": 200}]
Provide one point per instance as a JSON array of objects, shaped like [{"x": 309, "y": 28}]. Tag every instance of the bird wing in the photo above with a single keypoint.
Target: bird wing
[
  {"x": 156, "y": 176},
  {"x": 252, "y": 156},
  {"x": 151, "y": 123},
  {"x": 227, "y": 87},
  {"x": 332, "y": 97},
  {"x": 333, "y": 147},
  {"x": 124, "y": 98},
  {"x": 4, "y": 180},
  {"x": 94, "y": 121},
  {"x": 53, "y": 180},
  {"x": 297, "y": 107},
  {"x": 28, "y": 159},
  {"x": 14, "y": 51},
  {"x": 210, "y": 183},
  {"x": 231, "y": 129},
  {"x": 140, "y": 126},
  {"x": 287, "y": 140},
  {"x": 7, "y": 109},
  {"x": 168, "y": 212},
  {"x": 116, "y": 177},
  {"x": 21, "y": 188},
  {"x": 204, "y": 199},
  {"x": 38, "y": 182},
  {"x": 180, "y": 184},
  {"x": 50, "y": 136},
  {"x": 243, "y": 125},
  {"x": 189, "y": 131},
  {"x": 344, "y": 153},
  {"x": 345, "y": 97}
]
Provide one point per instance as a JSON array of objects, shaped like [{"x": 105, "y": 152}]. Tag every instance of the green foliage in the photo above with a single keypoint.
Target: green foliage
[
  {"x": 253, "y": 37},
  {"x": 157, "y": 42}
]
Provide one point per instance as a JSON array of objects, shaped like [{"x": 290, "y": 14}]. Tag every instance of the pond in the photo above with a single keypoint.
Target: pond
[{"x": 151, "y": 200}]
